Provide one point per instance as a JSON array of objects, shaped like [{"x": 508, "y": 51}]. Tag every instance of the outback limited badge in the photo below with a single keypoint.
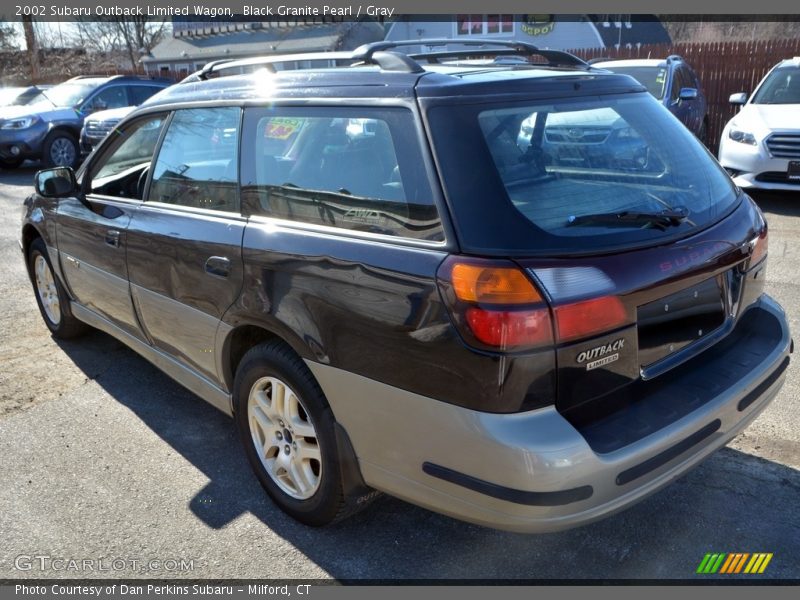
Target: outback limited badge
[{"x": 600, "y": 355}]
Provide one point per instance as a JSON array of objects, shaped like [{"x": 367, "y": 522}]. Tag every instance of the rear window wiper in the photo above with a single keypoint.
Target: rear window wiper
[{"x": 661, "y": 220}]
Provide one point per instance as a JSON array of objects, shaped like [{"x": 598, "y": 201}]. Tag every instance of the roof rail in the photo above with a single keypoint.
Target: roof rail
[
  {"x": 378, "y": 53},
  {"x": 267, "y": 62},
  {"x": 507, "y": 48},
  {"x": 390, "y": 61},
  {"x": 674, "y": 57}
]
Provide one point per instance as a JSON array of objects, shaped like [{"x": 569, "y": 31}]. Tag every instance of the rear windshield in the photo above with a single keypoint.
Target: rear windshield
[
  {"x": 653, "y": 78},
  {"x": 576, "y": 175},
  {"x": 781, "y": 87}
]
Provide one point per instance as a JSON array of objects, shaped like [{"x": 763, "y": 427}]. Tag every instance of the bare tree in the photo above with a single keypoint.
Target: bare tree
[
  {"x": 133, "y": 36},
  {"x": 32, "y": 45},
  {"x": 97, "y": 36},
  {"x": 140, "y": 36},
  {"x": 8, "y": 37}
]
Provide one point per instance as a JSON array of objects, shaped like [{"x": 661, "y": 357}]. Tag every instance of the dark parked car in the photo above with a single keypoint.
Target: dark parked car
[
  {"x": 388, "y": 293},
  {"x": 49, "y": 128},
  {"x": 673, "y": 82}
]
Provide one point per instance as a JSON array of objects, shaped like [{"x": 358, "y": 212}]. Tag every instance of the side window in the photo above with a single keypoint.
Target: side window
[
  {"x": 357, "y": 169},
  {"x": 111, "y": 97},
  {"x": 121, "y": 170},
  {"x": 198, "y": 164},
  {"x": 140, "y": 93}
]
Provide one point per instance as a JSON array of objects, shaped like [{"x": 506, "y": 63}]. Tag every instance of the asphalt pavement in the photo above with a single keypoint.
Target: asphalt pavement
[{"x": 105, "y": 459}]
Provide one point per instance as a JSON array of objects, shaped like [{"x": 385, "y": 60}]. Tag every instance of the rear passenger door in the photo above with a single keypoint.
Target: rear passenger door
[
  {"x": 184, "y": 242},
  {"x": 344, "y": 239}
]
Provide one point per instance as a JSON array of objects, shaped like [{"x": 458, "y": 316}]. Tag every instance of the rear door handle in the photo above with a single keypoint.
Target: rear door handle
[
  {"x": 112, "y": 238},
  {"x": 218, "y": 266}
]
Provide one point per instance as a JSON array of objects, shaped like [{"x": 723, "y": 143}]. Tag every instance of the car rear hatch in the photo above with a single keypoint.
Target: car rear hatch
[
  {"x": 679, "y": 300},
  {"x": 643, "y": 251}
]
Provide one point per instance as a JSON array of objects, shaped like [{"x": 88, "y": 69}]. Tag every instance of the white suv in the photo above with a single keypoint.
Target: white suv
[{"x": 760, "y": 146}]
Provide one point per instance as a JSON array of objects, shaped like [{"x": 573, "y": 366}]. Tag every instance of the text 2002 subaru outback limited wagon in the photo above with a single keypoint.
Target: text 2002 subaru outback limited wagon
[{"x": 391, "y": 287}]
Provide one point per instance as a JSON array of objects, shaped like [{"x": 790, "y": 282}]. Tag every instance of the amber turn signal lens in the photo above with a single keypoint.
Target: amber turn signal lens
[
  {"x": 760, "y": 249},
  {"x": 492, "y": 285}
]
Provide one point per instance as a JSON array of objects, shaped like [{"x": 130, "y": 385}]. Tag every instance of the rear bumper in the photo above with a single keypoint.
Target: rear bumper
[{"x": 535, "y": 471}]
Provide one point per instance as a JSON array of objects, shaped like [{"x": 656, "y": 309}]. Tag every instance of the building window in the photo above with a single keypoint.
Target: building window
[{"x": 480, "y": 25}]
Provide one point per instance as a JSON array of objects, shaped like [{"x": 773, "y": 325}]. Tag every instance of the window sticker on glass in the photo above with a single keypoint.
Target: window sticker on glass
[
  {"x": 282, "y": 128},
  {"x": 662, "y": 76}
]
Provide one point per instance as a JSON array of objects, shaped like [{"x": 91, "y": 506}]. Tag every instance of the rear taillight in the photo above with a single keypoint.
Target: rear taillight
[
  {"x": 509, "y": 329},
  {"x": 494, "y": 304},
  {"x": 589, "y": 317},
  {"x": 497, "y": 306}
]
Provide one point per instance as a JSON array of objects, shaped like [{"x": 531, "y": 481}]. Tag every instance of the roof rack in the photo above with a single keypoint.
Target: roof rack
[
  {"x": 378, "y": 53},
  {"x": 389, "y": 61},
  {"x": 507, "y": 48},
  {"x": 267, "y": 62}
]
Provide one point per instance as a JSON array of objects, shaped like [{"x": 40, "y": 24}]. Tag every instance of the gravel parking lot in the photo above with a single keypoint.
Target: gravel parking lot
[{"x": 104, "y": 457}]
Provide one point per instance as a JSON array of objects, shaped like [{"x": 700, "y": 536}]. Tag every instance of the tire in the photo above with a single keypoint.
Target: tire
[
  {"x": 61, "y": 149},
  {"x": 50, "y": 295},
  {"x": 289, "y": 436},
  {"x": 11, "y": 163}
]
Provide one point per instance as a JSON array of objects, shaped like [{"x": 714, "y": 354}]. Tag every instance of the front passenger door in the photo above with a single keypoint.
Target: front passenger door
[
  {"x": 185, "y": 241},
  {"x": 92, "y": 231}
]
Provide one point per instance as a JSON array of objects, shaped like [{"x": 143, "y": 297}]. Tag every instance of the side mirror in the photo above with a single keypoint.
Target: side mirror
[
  {"x": 740, "y": 98},
  {"x": 56, "y": 183},
  {"x": 688, "y": 94}
]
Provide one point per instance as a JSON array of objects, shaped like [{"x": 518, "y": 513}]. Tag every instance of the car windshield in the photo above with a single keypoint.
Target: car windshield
[
  {"x": 71, "y": 93},
  {"x": 653, "y": 78},
  {"x": 603, "y": 172},
  {"x": 782, "y": 86}
]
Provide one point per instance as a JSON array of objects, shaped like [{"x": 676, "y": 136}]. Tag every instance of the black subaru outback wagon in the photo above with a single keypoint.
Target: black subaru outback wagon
[{"x": 393, "y": 285}]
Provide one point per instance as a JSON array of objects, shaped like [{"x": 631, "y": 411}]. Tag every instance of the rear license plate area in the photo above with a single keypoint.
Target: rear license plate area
[{"x": 673, "y": 322}]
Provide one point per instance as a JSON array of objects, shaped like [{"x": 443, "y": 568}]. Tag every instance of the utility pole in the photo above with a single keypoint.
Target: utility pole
[{"x": 33, "y": 47}]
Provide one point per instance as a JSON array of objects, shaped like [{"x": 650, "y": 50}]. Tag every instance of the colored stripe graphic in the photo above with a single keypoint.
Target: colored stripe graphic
[
  {"x": 733, "y": 562},
  {"x": 703, "y": 563},
  {"x": 729, "y": 563},
  {"x": 765, "y": 563},
  {"x": 717, "y": 564},
  {"x": 741, "y": 563},
  {"x": 749, "y": 567}
]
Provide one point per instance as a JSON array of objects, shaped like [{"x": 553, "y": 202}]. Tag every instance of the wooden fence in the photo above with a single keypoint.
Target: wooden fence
[{"x": 724, "y": 68}]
